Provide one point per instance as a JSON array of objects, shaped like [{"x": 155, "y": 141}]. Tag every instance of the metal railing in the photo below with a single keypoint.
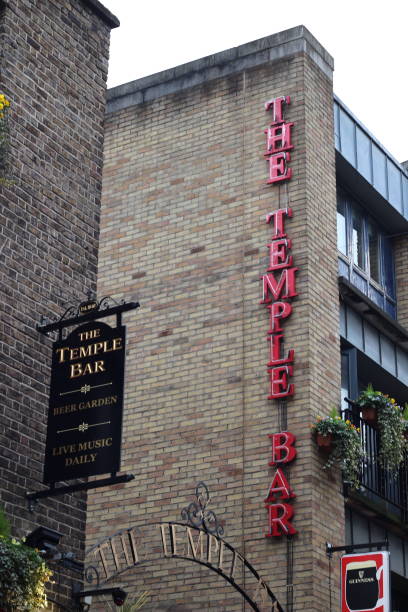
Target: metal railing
[{"x": 378, "y": 483}]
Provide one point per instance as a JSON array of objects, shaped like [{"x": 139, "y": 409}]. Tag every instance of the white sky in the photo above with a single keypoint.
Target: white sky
[{"x": 367, "y": 38}]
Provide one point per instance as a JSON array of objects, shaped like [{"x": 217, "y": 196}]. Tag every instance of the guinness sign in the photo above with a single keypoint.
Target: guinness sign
[
  {"x": 86, "y": 402},
  {"x": 365, "y": 583}
]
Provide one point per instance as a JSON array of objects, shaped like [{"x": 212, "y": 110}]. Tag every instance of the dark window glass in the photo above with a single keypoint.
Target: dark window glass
[
  {"x": 374, "y": 252},
  {"x": 388, "y": 266}
]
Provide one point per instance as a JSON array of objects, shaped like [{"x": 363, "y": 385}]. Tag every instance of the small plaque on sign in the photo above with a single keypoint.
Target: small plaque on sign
[
  {"x": 86, "y": 400},
  {"x": 89, "y": 306}
]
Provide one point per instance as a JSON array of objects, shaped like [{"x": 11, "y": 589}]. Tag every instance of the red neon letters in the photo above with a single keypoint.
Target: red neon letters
[
  {"x": 279, "y": 513},
  {"x": 278, "y": 141},
  {"x": 274, "y": 290},
  {"x": 279, "y": 284}
]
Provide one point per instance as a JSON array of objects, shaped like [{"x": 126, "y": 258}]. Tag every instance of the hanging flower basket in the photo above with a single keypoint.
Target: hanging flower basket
[
  {"x": 388, "y": 418},
  {"x": 324, "y": 442},
  {"x": 370, "y": 415},
  {"x": 340, "y": 440}
]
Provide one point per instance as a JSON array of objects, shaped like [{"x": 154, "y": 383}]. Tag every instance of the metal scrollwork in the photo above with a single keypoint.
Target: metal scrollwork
[
  {"x": 91, "y": 575},
  {"x": 197, "y": 514},
  {"x": 107, "y": 301}
]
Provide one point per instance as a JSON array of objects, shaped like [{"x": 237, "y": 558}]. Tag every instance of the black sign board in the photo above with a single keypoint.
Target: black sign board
[{"x": 86, "y": 401}]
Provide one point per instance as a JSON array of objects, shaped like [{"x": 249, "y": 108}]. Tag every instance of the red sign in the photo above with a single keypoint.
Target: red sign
[
  {"x": 278, "y": 141},
  {"x": 278, "y": 284},
  {"x": 280, "y": 513},
  {"x": 365, "y": 582}
]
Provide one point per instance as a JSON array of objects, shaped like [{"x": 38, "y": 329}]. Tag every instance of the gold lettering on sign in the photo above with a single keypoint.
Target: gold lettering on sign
[
  {"x": 88, "y": 335},
  {"x": 70, "y": 354},
  {"x": 79, "y": 460},
  {"x": 92, "y": 367},
  {"x": 68, "y": 449}
]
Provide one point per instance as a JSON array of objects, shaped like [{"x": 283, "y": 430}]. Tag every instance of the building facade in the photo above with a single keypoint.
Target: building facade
[
  {"x": 53, "y": 70},
  {"x": 262, "y": 229}
]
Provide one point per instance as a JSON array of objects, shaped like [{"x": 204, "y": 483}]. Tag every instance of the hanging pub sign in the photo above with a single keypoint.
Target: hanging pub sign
[
  {"x": 365, "y": 582},
  {"x": 86, "y": 401},
  {"x": 86, "y": 398}
]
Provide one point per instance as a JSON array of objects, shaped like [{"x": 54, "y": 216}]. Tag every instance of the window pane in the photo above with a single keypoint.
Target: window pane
[
  {"x": 341, "y": 226},
  {"x": 336, "y": 127},
  {"x": 357, "y": 240},
  {"x": 388, "y": 263},
  {"x": 374, "y": 252}
]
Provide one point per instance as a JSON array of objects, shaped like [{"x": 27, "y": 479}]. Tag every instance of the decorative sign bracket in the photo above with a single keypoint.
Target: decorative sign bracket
[
  {"x": 349, "y": 548},
  {"x": 53, "y": 491},
  {"x": 88, "y": 311}
]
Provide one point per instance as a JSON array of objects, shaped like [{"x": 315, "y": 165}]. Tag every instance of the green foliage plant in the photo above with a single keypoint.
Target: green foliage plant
[
  {"x": 347, "y": 451},
  {"x": 23, "y": 573},
  {"x": 391, "y": 427}
]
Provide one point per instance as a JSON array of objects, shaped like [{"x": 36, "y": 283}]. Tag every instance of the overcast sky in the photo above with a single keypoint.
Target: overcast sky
[{"x": 367, "y": 38}]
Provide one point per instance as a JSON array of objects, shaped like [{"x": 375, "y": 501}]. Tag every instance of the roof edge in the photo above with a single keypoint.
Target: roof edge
[
  {"x": 103, "y": 13},
  {"x": 275, "y": 47}
]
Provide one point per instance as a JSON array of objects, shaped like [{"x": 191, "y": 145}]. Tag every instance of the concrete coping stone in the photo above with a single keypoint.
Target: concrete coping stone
[{"x": 271, "y": 48}]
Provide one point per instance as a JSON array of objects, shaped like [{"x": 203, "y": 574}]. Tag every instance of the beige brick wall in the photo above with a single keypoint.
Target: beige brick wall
[{"x": 183, "y": 231}]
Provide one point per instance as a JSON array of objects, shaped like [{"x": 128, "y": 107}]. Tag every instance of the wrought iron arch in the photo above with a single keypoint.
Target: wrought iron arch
[{"x": 119, "y": 553}]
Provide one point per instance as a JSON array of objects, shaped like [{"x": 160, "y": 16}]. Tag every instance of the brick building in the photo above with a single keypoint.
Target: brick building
[
  {"x": 54, "y": 60},
  {"x": 194, "y": 164}
]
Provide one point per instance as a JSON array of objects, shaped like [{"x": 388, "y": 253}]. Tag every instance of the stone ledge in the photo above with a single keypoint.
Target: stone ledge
[{"x": 271, "y": 48}]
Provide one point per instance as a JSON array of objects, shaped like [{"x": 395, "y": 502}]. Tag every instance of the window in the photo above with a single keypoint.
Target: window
[{"x": 365, "y": 253}]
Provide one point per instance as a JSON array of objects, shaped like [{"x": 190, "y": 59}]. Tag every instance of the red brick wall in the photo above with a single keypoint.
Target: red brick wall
[{"x": 53, "y": 70}]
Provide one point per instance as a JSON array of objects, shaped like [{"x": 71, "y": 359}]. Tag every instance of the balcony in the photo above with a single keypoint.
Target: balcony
[{"x": 386, "y": 492}]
